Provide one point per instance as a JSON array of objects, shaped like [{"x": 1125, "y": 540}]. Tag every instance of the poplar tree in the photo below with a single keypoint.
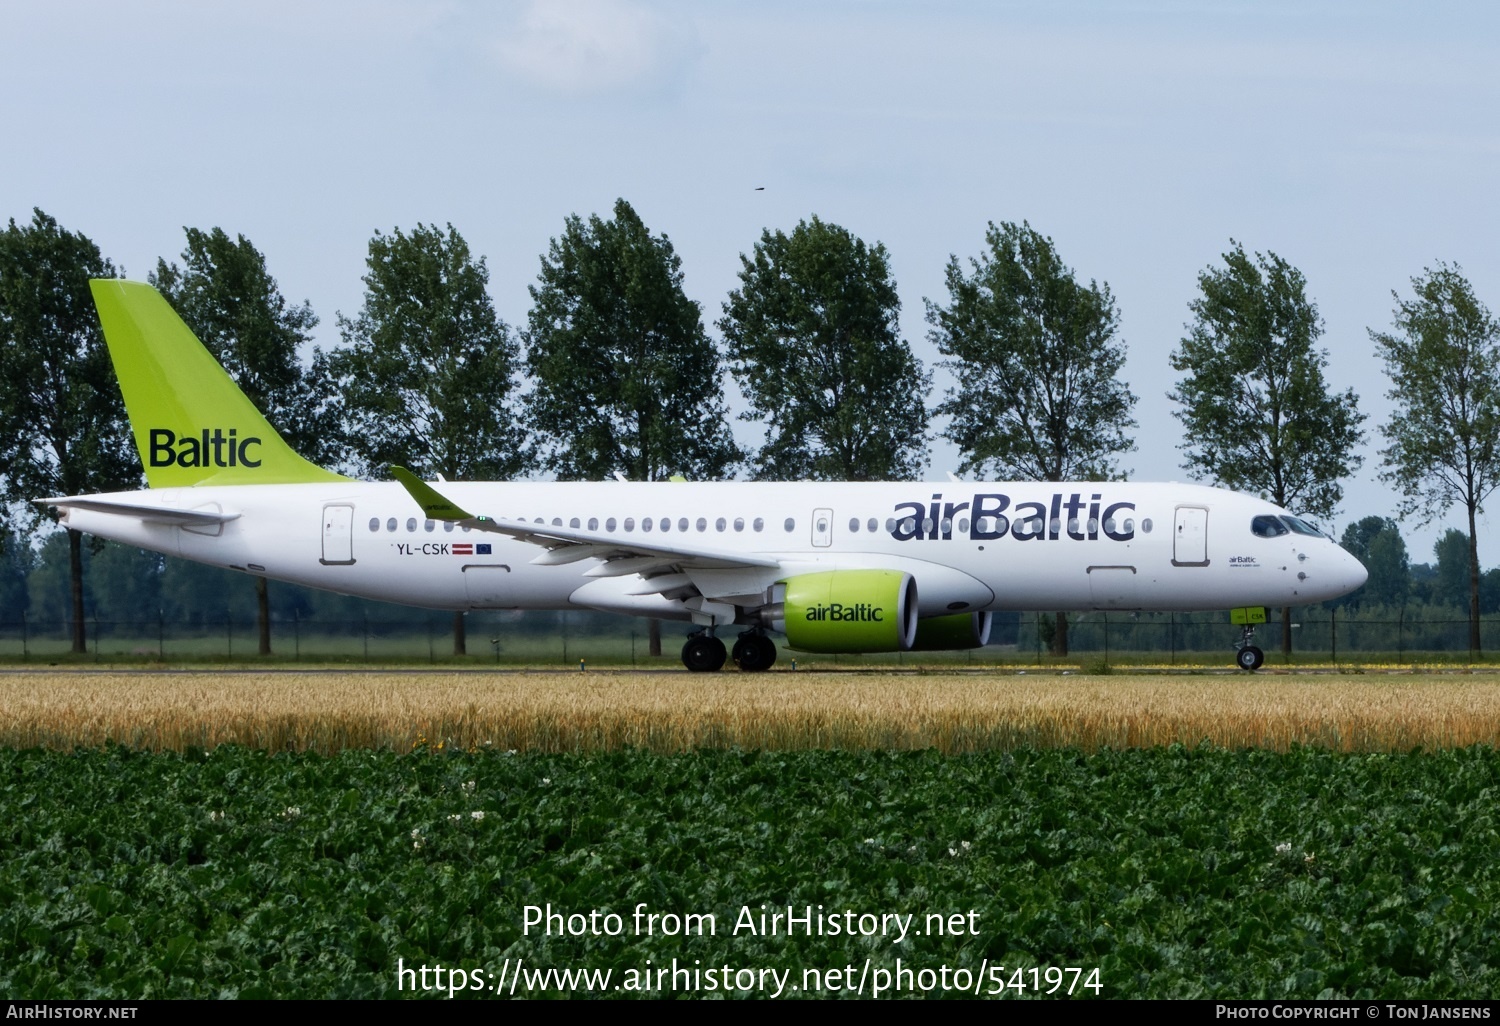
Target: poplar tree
[
  {"x": 1037, "y": 358},
  {"x": 428, "y": 370},
  {"x": 1257, "y": 413},
  {"x": 624, "y": 376},
  {"x": 224, "y": 293},
  {"x": 1443, "y": 359},
  {"x": 63, "y": 429},
  {"x": 814, "y": 343}
]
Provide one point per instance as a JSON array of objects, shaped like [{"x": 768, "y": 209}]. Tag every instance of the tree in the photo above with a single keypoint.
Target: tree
[
  {"x": 1037, "y": 362},
  {"x": 815, "y": 346},
  {"x": 1450, "y": 587},
  {"x": 224, "y": 293},
  {"x": 625, "y": 378},
  {"x": 1257, "y": 413},
  {"x": 1377, "y": 543},
  {"x": 428, "y": 369},
  {"x": 63, "y": 429},
  {"x": 1443, "y": 359}
]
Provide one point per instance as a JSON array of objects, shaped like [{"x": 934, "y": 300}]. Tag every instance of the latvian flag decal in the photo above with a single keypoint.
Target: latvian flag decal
[{"x": 466, "y": 549}]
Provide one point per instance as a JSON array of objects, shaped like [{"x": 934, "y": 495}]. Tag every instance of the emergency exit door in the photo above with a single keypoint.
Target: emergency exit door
[{"x": 822, "y": 528}]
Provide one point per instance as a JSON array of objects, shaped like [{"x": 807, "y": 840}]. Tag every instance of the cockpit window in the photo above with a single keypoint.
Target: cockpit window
[
  {"x": 1267, "y": 527},
  {"x": 1302, "y": 527}
]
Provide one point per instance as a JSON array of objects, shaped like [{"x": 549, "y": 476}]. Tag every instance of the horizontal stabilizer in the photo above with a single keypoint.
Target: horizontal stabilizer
[{"x": 140, "y": 511}]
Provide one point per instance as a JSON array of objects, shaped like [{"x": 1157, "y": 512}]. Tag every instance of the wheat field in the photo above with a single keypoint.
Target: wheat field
[{"x": 668, "y": 712}]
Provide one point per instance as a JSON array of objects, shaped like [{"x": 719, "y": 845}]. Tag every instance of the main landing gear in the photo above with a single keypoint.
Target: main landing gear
[
  {"x": 1248, "y": 657},
  {"x": 704, "y": 653},
  {"x": 754, "y": 652}
]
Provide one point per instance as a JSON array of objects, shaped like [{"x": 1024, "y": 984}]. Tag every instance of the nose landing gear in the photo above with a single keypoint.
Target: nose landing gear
[{"x": 1248, "y": 657}]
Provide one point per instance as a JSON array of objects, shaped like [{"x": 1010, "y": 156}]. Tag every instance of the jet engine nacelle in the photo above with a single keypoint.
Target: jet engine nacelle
[
  {"x": 845, "y": 611},
  {"x": 945, "y": 633}
]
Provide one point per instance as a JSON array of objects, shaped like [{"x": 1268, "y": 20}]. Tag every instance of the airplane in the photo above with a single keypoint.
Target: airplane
[{"x": 833, "y": 567}]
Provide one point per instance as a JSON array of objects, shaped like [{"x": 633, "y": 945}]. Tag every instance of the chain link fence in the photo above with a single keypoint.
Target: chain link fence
[{"x": 565, "y": 639}]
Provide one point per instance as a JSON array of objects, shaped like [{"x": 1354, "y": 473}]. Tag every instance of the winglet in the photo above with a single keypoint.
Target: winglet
[{"x": 429, "y": 498}]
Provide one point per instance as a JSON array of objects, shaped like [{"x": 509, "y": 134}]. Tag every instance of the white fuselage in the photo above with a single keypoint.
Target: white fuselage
[{"x": 1001, "y": 546}]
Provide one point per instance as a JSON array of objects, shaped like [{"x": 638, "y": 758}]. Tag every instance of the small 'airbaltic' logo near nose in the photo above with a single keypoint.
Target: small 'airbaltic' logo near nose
[{"x": 213, "y": 448}]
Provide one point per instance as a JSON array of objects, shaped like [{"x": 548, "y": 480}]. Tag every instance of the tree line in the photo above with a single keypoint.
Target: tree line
[{"x": 614, "y": 371}]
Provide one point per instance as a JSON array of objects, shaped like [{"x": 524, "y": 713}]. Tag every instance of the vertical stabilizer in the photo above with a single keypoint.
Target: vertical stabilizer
[{"x": 192, "y": 424}]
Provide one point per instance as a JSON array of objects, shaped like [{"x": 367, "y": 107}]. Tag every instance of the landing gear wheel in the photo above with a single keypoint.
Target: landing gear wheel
[
  {"x": 1250, "y": 658},
  {"x": 703, "y": 654},
  {"x": 754, "y": 653}
]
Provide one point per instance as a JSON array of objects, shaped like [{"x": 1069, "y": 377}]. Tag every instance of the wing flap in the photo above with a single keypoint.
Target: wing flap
[{"x": 559, "y": 542}]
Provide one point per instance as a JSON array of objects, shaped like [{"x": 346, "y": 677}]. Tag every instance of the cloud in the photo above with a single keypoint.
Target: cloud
[{"x": 584, "y": 47}]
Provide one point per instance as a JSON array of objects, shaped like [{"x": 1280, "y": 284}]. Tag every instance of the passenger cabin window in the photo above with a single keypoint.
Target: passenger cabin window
[
  {"x": 390, "y": 525},
  {"x": 1267, "y": 527},
  {"x": 374, "y": 523},
  {"x": 759, "y": 524},
  {"x": 593, "y": 523}
]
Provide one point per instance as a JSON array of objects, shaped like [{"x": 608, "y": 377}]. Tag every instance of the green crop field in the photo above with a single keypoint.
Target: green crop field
[
  {"x": 346, "y": 835},
  {"x": 1174, "y": 872}
]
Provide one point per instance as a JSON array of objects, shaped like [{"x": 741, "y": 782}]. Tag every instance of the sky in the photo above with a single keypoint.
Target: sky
[{"x": 1360, "y": 141}]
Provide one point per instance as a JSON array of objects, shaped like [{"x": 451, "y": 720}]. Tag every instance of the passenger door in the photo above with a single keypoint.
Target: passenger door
[{"x": 1190, "y": 538}]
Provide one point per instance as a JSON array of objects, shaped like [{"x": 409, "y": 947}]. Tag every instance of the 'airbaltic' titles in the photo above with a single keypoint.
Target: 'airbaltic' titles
[
  {"x": 212, "y": 449},
  {"x": 857, "y": 612},
  {"x": 991, "y": 516}
]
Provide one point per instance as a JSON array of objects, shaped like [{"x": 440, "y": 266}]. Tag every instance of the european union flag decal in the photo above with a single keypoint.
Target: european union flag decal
[{"x": 481, "y": 549}]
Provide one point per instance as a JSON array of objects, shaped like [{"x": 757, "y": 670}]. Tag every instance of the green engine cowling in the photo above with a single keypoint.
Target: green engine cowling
[
  {"x": 845, "y": 611},
  {"x": 946, "y": 633}
]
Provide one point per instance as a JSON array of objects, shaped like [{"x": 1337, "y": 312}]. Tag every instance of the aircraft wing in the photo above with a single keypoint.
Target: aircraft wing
[
  {"x": 141, "y": 511},
  {"x": 562, "y": 545}
]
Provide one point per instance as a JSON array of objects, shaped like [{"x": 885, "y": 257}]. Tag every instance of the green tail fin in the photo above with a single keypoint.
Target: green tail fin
[{"x": 192, "y": 424}]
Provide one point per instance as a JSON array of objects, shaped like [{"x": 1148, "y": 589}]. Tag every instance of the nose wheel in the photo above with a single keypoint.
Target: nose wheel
[{"x": 1248, "y": 657}]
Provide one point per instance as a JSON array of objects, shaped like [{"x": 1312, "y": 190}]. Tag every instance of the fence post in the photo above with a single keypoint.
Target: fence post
[
  {"x": 1106, "y": 637},
  {"x": 1172, "y": 634},
  {"x": 25, "y": 647},
  {"x": 296, "y": 635},
  {"x": 1400, "y": 634},
  {"x": 228, "y": 636},
  {"x": 431, "y": 645},
  {"x": 161, "y": 634},
  {"x": 367, "y": 636},
  {"x": 96, "y": 642},
  {"x": 1333, "y": 634}
]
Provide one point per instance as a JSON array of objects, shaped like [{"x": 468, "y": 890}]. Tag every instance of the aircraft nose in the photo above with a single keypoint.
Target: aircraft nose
[{"x": 1351, "y": 572}]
